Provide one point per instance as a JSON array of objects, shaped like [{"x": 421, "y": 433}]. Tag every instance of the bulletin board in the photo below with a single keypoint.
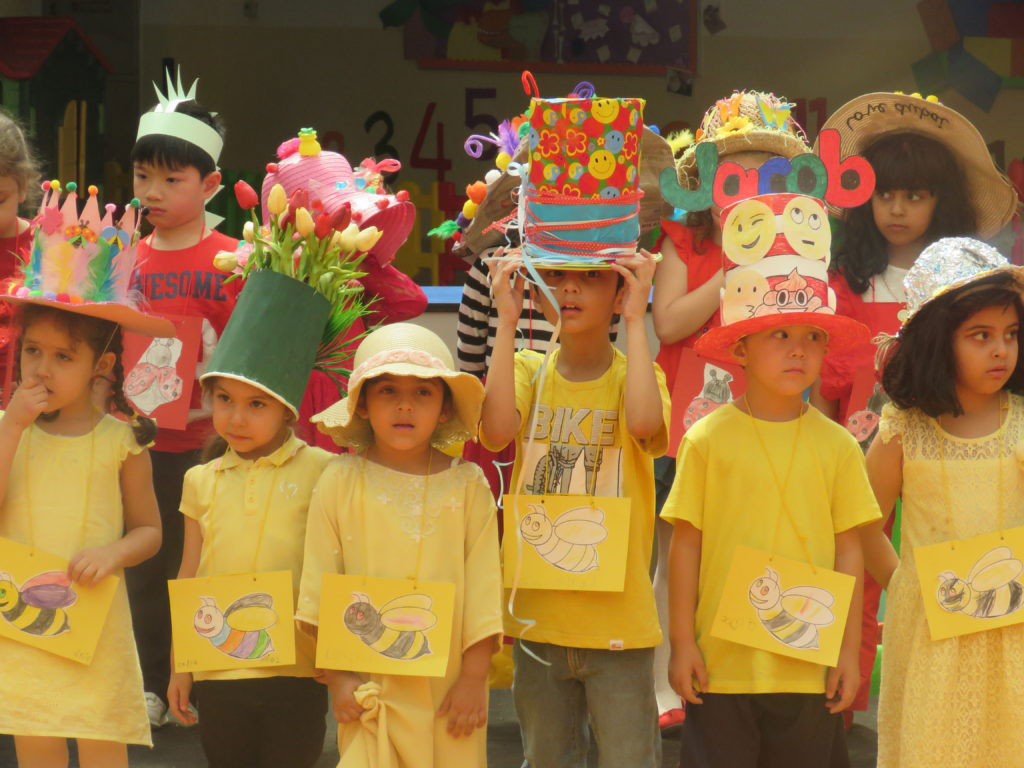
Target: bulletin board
[{"x": 588, "y": 36}]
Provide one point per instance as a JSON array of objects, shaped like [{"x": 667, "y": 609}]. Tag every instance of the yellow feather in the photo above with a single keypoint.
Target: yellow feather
[{"x": 679, "y": 141}]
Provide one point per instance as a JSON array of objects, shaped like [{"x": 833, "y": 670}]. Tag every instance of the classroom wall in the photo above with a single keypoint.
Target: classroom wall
[{"x": 330, "y": 65}]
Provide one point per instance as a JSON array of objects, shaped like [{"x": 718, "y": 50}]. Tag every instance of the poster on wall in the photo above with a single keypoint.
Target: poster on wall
[{"x": 569, "y": 35}]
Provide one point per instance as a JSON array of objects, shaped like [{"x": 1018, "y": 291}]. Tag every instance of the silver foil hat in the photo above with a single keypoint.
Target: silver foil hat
[{"x": 949, "y": 264}]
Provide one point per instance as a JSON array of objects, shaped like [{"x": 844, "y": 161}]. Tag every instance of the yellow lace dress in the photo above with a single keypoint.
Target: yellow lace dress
[{"x": 959, "y": 702}]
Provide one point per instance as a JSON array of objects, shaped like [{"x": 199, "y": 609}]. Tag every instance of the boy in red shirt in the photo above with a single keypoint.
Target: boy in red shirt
[{"x": 175, "y": 170}]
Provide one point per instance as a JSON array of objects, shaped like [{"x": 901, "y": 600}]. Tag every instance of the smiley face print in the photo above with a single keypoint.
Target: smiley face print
[
  {"x": 744, "y": 292},
  {"x": 748, "y": 232},
  {"x": 602, "y": 164},
  {"x": 605, "y": 110},
  {"x": 805, "y": 226}
]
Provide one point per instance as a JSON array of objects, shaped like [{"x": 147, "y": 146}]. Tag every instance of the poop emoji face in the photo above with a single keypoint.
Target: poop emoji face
[
  {"x": 604, "y": 110},
  {"x": 805, "y": 226},
  {"x": 748, "y": 232},
  {"x": 793, "y": 294},
  {"x": 744, "y": 291},
  {"x": 602, "y": 164}
]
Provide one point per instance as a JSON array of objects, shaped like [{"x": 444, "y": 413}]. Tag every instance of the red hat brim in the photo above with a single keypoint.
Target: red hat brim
[{"x": 844, "y": 333}]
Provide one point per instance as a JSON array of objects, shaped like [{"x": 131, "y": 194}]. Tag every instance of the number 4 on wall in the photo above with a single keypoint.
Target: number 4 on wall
[{"x": 439, "y": 162}]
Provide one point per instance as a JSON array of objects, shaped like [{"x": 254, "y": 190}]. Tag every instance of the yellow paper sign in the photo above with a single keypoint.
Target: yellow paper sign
[
  {"x": 239, "y": 621},
  {"x": 566, "y": 542},
  {"x": 40, "y": 606},
  {"x": 972, "y": 584},
  {"x": 784, "y": 606},
  {"x": 387, "y": 626}
]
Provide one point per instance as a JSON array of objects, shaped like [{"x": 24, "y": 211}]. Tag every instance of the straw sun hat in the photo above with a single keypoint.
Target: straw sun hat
[{"x": 404, "y": 349}]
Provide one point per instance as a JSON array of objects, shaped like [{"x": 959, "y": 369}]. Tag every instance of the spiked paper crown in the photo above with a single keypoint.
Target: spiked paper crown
[
  {"x": 84, "y": 262},
  {"x": 164, "y": 120}
]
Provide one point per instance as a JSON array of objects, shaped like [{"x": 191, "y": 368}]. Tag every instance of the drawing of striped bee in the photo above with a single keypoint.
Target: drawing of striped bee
[
  {"x": 990, "y": 590},
  {"x": 37, "y": 608},
  {"x": 242, "y": 631},
  {"x": 397, "y": 630},
  {"x": 569, "y": 542},
  {"x": 791, "y": 617}
]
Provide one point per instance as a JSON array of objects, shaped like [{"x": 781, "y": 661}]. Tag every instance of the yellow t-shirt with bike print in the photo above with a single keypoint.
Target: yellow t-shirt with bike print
[
  {"x": 581, "y": 445},
  {"x": 725, "y": 488}
]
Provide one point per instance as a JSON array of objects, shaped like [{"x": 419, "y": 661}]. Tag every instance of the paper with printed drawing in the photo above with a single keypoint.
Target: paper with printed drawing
[{"x": 161, "y": 373}]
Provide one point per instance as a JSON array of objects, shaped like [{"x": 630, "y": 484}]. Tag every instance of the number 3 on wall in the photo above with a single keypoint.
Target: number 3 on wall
[{"x": 439, "y": 163}]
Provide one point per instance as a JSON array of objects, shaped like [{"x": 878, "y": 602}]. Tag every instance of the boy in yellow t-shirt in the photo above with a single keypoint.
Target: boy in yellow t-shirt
[
  {"x": 770, "y": 473},
  {"x": 601, "y": 418}
]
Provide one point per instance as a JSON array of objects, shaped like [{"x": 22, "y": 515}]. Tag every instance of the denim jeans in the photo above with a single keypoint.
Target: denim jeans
[{"x": 614, "y": 690}]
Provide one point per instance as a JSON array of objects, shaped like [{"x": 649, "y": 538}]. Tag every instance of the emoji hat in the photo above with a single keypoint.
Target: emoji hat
[
  {"x": 404, "y": 349},
  {"x": 864, "y": 119},
  {"x": 492, "y": 203},
  {"x": 747, "y": 121},
  {"x": 83, "y": 262},
  {"x": 775, "y": 250},
  {"x": 329, "y": 178},
  {"x": 302, "y": 294}
]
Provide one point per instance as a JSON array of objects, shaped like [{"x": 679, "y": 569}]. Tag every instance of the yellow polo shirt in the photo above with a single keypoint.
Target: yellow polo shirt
[{"x": 229, "y": 497}]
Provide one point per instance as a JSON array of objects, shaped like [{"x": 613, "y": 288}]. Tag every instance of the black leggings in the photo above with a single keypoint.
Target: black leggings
[{"x": 262, "y": 722}]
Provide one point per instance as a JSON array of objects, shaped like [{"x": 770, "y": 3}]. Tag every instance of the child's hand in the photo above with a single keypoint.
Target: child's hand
[
  {"x": 178, "y": 693},
  {"x": 685, "y": 667},
  {"x": 29, "y": 400},
  {"x": 638, "y": 272},
  {"x": 466, "y": 705},
  {"x": 507, "y": 287},
  {"x": 92, "y": 565},
  {"x": 342, "y": 687},
  {"x": 842, "y": 682}
]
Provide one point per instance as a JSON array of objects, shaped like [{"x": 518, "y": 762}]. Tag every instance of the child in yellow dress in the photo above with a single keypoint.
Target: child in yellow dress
[
  {"x": 76, "y": 482},
  {"x": 950, "y": 444},
  {"x": 397, "y": 502}
]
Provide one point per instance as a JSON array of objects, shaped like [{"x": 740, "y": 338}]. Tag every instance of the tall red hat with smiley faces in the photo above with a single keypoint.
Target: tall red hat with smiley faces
[{"x": 775, "y": 250}]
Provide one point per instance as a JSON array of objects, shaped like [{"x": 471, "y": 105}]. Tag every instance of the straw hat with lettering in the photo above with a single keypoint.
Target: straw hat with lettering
[
  {"x": 404, "y": 349},
  {"x": 867, "y": 117}
]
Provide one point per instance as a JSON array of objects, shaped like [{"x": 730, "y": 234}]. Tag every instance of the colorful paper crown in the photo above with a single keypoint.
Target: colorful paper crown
[
  {"x": 775, "y": 251},
  {"x": 163, "y": 120},
  {"x": 329, "y": 178},
  {"x": 950, "y": 264},
  {"x": 83, "y": 263},
  {"x": 864, "y": 119},
  {"x": 747, "y": 121}
]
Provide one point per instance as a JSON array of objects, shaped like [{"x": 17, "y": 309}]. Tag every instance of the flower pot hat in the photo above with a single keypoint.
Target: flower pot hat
[
  {"x": 492, "y": 204},
  {"x": 404, "y": 349},
  {"x": 165, "y": 120},
  {"x": 301, "y": 296},
  {"x": 83, "y": 262},
  {"x": 775, "y": 250},
  {"x": 864, "y": 119},
  {"x": 329, "y": 178},
  {"x": 747, "y": 121}
]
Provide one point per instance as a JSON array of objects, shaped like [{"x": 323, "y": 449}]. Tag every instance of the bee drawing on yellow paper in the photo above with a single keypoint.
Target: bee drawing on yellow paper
[
  {"x": 991, "y": 589},
  {"x": 242, "y": 631},
  {"x": 397, "y": 630},
  {"x": 791, "y": 617},
  {"x": 568, "y": 543},
  {"x": 37, "y": 607}
]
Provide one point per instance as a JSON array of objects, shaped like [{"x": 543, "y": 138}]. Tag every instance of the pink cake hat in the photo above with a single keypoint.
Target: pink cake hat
[{"x": 329, "y": 177}]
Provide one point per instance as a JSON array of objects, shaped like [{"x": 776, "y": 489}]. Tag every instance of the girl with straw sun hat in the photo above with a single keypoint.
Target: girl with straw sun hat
[{"x": 401, "y": 508}]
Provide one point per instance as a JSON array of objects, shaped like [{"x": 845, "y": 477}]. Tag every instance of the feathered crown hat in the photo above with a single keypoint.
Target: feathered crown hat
[{"x": 83, "y": 262}]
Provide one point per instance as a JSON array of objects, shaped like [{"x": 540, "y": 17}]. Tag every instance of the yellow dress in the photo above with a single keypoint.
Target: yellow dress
[
  {"x": 954, "y": 703},
  {"x": 46, "y": 695},
  {"x": 366, "y": 519}
]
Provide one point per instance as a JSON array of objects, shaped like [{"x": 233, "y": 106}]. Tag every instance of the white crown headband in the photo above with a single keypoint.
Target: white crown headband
[{"x": 165, "y": 121}]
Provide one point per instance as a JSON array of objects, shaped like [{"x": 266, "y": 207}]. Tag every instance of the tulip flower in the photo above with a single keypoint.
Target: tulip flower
[
  {"x": 249, "y": 232},
  {"x": 323, "y": 225},
  {"x": 225, "y": 261},
  {"x": 278, "y": 200},
  {"x": 342, "y": 217},
  {"x": 246, "y": 195},
  {"x": 303, "y": 222},
  {"x": 348, "y": 237},
  {"x": 367, "y": 238}
]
